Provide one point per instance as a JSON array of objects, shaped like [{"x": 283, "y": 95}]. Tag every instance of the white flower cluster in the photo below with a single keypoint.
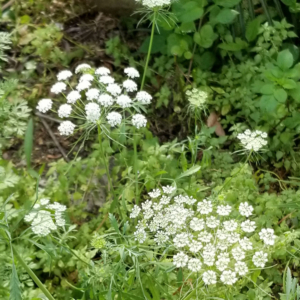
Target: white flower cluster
[
  {"x": 206, "y": 239},
  {"x": 106, "y": 100},
  {"x": 253, "y": 140},
  {"x": 197, "y": 98},
  {"x": 155, "y": 3},
  {"x": 46, "y": 217}
]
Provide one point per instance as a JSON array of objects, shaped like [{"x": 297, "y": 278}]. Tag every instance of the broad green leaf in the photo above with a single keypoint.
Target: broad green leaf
[
  {"x": 205, "y": 37},
  {"x": 188, "y": 27},
  {"x": 252, "y": 29},
  {"x": 227, "y": 3},
  {"x": 15, "y": 290},
  {"x": 267, "y": 89},
  {"x": 268, "y": 103},
  {"x": 28, "y": 143},
  {"x": 189, "y": 172},
  {"x": 190, "y": 11},
  {"x": 206, "y": 60},
  {"x": 288, "y": 83},
  {"x": 237, "y": 46},
  {"x": 188, "y": 55},
  {"x": 159, "y": 44},
  {"x": 285, "y": 59},
  {"x": 280, "y": 95},
  {"x": 295, "y": 93},
  {"x": 226, "y": 16}
]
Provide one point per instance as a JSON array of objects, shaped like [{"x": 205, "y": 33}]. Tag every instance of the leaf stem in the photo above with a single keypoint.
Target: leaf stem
[
  {"x": 149, "y": 49},
  {"x": 135, "y": 170},
  {"x": 32, "y": 274}
]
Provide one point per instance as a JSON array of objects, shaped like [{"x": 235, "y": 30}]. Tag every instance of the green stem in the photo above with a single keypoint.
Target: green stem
[
  {"x": 103, "y": 156},
  {"x": 149, "y": 49},
  {"x": 135, "y": 170},
  {"x": 32, "y": 275}
]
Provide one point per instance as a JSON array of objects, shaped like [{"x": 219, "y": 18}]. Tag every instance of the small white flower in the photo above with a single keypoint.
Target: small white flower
[
  {"x": 223, "y": 261},
  {"x": 267, "y": 235},
  {"x": 238, "y": 253},
  {"x": 83, "y": 85},
  {"x": 139, "y": 121},
  {"x": 181, "y": 240},
  {"x": 180, "y": 259},
  {"x": 164, "y": 200},
  {"x": 106, "y": 100},
  {"x": 246, "y": 244},
  {"x": 169, "y": 189},
  {"x": 44, "y": 105},
  {"x": 124, "y": 101},
  {"x": 44, "y": 201},
  {"x": 212, "y": 222},
  {"x": 140, "y": 235},
  {"x": 209, "y": 277},
  {"x": 223, "y": 245},
  {"x": 114, "y": 89},
  {"x": 143, "y": 97},
  {"x": 146, "y": 205},
  {"x": 66, "y": 128},
  {"x": 57, "y": 207},
  {"x": 114, "y": 119},
  {"x": 197, "y": 224},
  {"x": 106, "y": 80},
  {"x": 154, "y": 193},
  {"x": 103, "y": 71},
  {"x": 129, "y": 85},
  {"x": 245, "y": 209},
  {"x": 92, "y": 94},
  {"x": 73, "y": 96},
  {"x": 204, "y": 207},
  {"x": 135, "y": 212},
  {"x": 248, "y": 226},
  {"x": 260, "y": 258},
  {"x": 86, "y": 77},
  {"x": 195, "y": 246},
  {"x": 92, "y": 112},
  {"x": 205, "y": 236},
  {"x": 148, "y": 214},
  {"x": 241, "y": 268},
  {"x": 230, "y": 225},
  {"x": 223, "y": 210},
  {"x": 194, "y": 264},
  {"x": 253, "y": 140},
  {"x": 64, "y": 75},
  {"x": 82, "y": 67},
  {"x": 233, "y": 237},
  {"x": 160, "y": 237},
  {"x": 58, "y": 87},
  {"x": 222, "y": 234},
  {"x": 64, "y": 111},
  {"x": 228, "y": 277},
  {"x": 132, "y": 72},
  {"x": 157, "y": 206}
]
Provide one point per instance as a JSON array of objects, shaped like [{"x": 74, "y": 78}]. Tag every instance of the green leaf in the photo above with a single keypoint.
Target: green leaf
[
  {"x": 285, "y": 59},
  {"x": 267, "y": 89},
  {"x": 188, "y": 27},
  {"x": 190, "y": 11},
  {"x": 227, "y": 3},
  {"x": 114, "y": 222},
  {"x": 288, "y": 83},
  {"x": 252, "y": 29},
  {"x": 286, "y": 137},
  {"x": 15, "y": 290},
  {"x": 280, "y": 95},
  {"x": 188, "y": 55},
  {"x": 268, "y": 103},
  {"x": 226, "y": 16},
  {"x": 205, "y": 37},
  {"x": 295, "y": 93},
  {"x": 159, "y": 43},
  {"x": 28, "y": 143},
  {"x": 237, "y": 46},
  {"x": 189, "y": 172},
  {"x": 206, "y": 60}
]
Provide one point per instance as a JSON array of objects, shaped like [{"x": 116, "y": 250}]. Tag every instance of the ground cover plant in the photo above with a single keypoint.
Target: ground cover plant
[{"x": 160, "y": 162}]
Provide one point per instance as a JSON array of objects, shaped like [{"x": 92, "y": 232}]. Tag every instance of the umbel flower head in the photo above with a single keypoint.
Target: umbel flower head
[
  {"x": 216, "y": 241},
  {"x": 46, "y": 217},
  {"x": 253, "y": 140},
  {"x": 197, "y": 100},
  {"x": 96, "y": 99},
  {"x": 154, "y": 3}
]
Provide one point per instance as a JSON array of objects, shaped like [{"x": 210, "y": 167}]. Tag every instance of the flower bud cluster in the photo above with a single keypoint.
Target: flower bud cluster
[{"x": 214, "y": 240}]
